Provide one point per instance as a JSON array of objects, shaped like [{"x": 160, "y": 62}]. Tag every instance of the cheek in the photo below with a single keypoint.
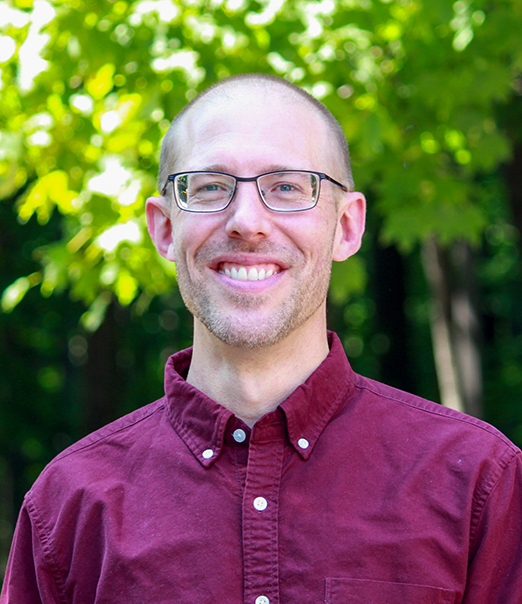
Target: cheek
[
  {"x": 320, "y": 237},
  {"x": 180, "y": 247},
  {"x": 190, "y": 233}
]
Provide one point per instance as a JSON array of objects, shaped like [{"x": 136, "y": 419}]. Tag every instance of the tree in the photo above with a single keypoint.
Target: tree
[{"x": 415, "y": 85}]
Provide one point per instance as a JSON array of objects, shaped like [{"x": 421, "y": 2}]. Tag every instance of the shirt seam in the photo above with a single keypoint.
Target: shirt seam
[
  {"x": 41, "y": 530},
  {"x": 77, "y": 449},
  {"x": 464, "y": 419},
  {"x": 486, "y": 490},
  {"x": 45, "y": 542},
  {"x": 238, "y": 474}
]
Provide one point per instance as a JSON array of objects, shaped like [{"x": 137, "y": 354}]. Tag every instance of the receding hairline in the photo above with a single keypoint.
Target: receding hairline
[{"x": 169, "y": 150}]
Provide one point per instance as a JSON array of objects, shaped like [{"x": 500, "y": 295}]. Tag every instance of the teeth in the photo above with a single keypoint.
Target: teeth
[{"x": 244, "y": 274}]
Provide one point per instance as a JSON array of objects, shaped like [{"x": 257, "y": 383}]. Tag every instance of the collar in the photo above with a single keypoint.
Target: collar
[{"x": 206, "y": 426}]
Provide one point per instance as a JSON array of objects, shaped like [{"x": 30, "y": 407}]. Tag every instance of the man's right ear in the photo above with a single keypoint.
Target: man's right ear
[{"x": 159, "y": 225}]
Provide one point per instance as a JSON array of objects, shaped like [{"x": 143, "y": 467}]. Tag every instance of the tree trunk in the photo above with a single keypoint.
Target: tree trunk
[{"x": 454, "y": 325}]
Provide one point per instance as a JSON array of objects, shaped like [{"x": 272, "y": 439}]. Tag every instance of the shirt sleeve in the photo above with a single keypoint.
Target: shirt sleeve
[
  {"x": 495, "y": 569},
  {"x": 28, "y": 579}
]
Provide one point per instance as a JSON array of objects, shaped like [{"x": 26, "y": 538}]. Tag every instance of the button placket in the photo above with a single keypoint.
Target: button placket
[{"x": 260, "y": 517}]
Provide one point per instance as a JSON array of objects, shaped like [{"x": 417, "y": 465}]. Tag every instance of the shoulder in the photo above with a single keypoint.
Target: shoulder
[
  {"x": 101, "y": 454},
  {"x": 417, "y": 426},
  {"x": 452, "y": 454},
  {"x": 119, "y": 430}
]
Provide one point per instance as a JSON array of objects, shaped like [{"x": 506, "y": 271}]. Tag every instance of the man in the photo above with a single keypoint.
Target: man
[{"x": 270, "y": 472}]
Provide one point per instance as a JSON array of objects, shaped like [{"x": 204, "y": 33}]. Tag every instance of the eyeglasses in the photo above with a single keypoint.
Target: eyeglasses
[{"x": 284, "y": 191}]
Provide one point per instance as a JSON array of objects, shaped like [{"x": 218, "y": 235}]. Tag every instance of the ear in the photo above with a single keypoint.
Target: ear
[
  {"x": 350, "y": 226},
  {"x": 159, "y": 225}
]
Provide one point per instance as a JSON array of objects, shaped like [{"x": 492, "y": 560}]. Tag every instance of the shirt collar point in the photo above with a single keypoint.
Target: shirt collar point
[
  {"x": 305, "y": 451},
  {"x": 208, "y": 457}
]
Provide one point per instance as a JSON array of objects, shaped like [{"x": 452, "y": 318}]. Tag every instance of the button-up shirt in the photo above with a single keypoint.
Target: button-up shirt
[{"x": 348, "y": 492}]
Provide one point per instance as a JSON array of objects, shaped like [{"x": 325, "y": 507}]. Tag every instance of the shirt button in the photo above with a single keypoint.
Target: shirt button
[
  {"x": 208, "y": 453},
  {"x": 303, "y": 443},
  {"x": 239, "y": 435},
  {"x": 262, "y": 600},
  {"x": 260, "y": 504}
]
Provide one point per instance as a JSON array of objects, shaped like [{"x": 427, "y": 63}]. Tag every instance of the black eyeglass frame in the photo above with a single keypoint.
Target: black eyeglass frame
[{"x": 322, "y": 176}]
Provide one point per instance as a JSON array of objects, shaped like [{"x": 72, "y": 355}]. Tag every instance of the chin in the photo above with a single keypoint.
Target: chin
[
  {"x": 246, "y": 338},
  {"x": 249, "y": 323},
  {"x": 254, "y": 332}
]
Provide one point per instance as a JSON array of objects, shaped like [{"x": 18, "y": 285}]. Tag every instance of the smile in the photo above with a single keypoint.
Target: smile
[{"x": 248, "y": 273}]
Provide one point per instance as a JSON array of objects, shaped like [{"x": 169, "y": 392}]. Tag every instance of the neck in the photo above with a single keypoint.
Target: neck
[{"x": 252, "y": 382}]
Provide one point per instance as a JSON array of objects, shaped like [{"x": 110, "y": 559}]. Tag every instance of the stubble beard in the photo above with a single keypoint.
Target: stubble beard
[{"x": 244, "y": 329}]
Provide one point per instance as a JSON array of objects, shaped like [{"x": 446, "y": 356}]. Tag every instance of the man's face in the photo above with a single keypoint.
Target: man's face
[{"x": 289, "y": 255}]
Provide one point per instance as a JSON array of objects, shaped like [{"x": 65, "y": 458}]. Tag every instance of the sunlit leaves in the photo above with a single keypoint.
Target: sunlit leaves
[
  {"x": 414, "y": 84},
  {"x": 13, "y": 294},
  {"x": 101, "y": 83},
  {"x": 49, "y": 191},
  {"x": 126, "y": 287}
]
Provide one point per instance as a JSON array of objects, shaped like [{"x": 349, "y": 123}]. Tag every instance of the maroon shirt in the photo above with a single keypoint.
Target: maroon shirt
[{"x": 349, "y": 492}]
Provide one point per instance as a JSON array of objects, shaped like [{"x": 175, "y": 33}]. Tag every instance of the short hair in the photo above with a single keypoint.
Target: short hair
[{"x": 169, "y": 148}]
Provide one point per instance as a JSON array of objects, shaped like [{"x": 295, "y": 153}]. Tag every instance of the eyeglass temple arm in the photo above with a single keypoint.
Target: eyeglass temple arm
[
  {"x": 170, "y": 178},
  {"x": 335, "y": 182}
]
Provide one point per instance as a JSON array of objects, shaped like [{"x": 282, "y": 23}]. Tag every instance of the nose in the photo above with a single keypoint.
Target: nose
[{"x": 247, "y": 216}]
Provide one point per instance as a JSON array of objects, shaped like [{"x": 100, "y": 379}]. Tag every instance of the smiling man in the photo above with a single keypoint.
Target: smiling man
[
  {"x": 254, "y": 258},
  {"x": 270, "y": 473}
]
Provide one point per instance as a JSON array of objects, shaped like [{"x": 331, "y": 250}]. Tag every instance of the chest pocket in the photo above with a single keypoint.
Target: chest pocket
[{"x": 360, "y": 591}]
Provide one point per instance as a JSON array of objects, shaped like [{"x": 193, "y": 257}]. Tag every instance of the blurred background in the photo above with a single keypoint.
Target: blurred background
[{"x": 429, "y": 93}]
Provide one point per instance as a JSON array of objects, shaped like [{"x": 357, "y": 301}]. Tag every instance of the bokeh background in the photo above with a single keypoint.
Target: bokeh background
[{"x": 429, "y": 93}]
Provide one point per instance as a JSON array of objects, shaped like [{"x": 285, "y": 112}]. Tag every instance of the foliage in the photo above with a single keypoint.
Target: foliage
[{"x": 88, "y": 90}]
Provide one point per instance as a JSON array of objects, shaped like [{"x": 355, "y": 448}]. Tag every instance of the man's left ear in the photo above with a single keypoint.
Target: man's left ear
[{"x": 350, "y": 225}]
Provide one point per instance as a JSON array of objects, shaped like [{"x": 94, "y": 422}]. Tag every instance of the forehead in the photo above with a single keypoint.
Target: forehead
[{"x": 251, "y": 130}]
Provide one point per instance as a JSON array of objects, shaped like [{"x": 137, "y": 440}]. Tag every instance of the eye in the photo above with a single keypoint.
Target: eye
[
  {"x": 286, "y": 187},
  {"x": 209, "y": 188},
  {"x": 212, "y": 187},
  {"x": 209, "y": 185}
]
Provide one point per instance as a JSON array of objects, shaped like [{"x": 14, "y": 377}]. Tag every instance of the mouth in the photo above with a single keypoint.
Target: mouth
[{"x": 239, "y": 272}]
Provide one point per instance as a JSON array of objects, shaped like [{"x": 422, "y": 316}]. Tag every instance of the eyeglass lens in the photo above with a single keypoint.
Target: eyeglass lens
[{"x": 210, "y": 192}]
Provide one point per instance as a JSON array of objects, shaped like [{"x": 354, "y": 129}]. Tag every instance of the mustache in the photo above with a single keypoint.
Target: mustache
[{"x": 208, "y": 252}]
